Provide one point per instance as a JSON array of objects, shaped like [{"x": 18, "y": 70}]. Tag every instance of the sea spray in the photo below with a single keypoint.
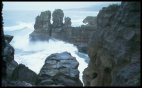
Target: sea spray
[
  {"x": 33, "y": 54},
  {"x": 39, "y": 51}
]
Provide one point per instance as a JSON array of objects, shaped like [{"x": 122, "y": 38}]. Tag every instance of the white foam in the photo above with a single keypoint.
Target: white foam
[
  {"x": 39, "y": 51},
  {"x": 36, "y": 60}
]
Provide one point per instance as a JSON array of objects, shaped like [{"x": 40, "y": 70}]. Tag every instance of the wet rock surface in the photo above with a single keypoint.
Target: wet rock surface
[
  {"x": 60, "y": 69},
  {"x": 114, "y": 48}
]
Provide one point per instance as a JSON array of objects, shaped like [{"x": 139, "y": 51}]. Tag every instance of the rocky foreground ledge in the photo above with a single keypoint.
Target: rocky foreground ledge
[
  {"x": 14, "y": 74},
  {"x": 60, "y": 69}
]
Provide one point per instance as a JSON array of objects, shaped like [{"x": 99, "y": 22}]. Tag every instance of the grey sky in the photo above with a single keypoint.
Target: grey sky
[{"x": 48, "y": 5}]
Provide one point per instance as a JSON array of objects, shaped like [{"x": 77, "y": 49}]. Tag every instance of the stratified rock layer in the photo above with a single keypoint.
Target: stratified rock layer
[
  {"x": 60, "y": 69},
  {"x": 114, "y": 48}
]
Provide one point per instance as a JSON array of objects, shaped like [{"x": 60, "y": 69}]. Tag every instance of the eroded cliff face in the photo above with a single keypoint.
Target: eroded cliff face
[{"x": 114, "y": 48}]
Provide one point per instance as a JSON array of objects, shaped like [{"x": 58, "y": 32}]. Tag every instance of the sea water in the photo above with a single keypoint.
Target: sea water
[{"x": 33, "y": 54}]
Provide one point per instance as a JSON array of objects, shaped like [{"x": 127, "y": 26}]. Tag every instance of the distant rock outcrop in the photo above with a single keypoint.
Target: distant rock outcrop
[
  {"x": 42, "y": 22},
  {"x": 90, "y": 20},
  {"x": 60, "y": 69},
  {"x": 57, "y": 17},
  {"x": 64, "y": 31},
  {"x": 67, "y": 22},
  {"x": 114, "y": 48},
  {"x": 42, "y": 26}
]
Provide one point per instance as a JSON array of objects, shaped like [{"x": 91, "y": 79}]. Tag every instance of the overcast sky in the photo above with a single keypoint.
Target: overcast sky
[{"x": 48, "y": 5}]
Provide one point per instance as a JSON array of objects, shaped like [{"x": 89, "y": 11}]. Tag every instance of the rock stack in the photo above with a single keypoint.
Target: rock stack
[
  {"x": 42, "y": 22},
  {"x": 57, "y": 18},
  {"x": 79, "y": 36}
]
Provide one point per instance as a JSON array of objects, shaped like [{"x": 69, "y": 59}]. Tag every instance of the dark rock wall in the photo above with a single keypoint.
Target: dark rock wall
[{"x": 114, "y": 48}]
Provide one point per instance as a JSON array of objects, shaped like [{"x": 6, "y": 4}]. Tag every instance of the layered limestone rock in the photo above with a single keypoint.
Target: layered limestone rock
[
  {"x": 114, "y": 48},
  {"x": 60, "y": 69}
]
